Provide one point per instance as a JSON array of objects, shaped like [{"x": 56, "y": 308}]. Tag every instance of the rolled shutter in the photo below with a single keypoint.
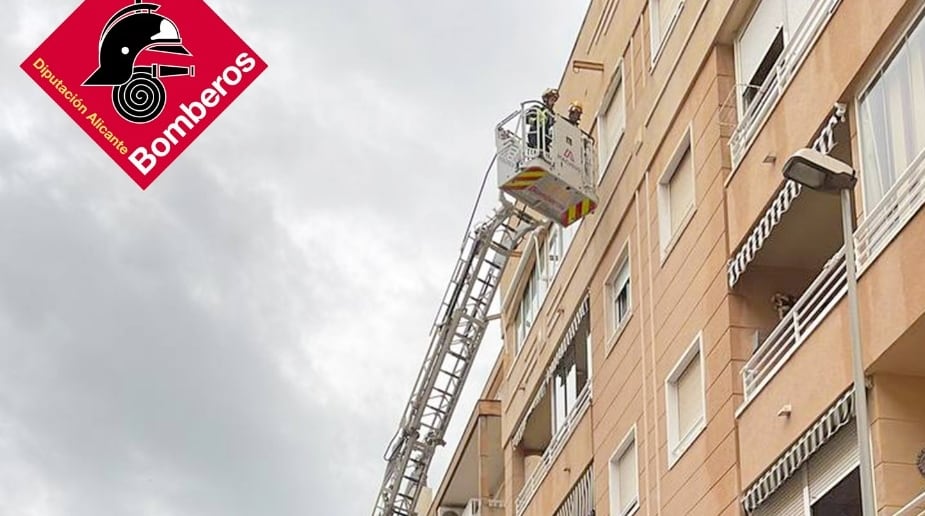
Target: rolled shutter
[
  {"x": 786, "y": 501},
  {"x": 835, "y": 460},
  {"x": 758, "y": 36}
]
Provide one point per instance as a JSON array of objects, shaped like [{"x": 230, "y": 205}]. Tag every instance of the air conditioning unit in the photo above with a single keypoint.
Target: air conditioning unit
[
  {"x": 473, "y": 508},
  {"x": 450, "y": 511}
]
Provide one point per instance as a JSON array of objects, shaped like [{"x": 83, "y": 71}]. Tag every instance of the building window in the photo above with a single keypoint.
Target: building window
[
  {"x": 619, "y": 292},
  {"x": 612, "y": 120},
  {"x": 551, "y": 253},
  {"x": 624, "y": 485},
  {"x": 676, "y": 194},
  {"x": 828, "y": 484},
  {"x": 529, "y": 306},
  {"x": 662, "y": 17},
  {"x": 892, "y": 118},
  {"x": 571, "y": 376},
  {"x": 686, "y": 401},
  {"x": 761, "y": 42}
]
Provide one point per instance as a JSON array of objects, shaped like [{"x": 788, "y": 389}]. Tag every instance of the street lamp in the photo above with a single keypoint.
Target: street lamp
[{"x": 822, "y": 173}]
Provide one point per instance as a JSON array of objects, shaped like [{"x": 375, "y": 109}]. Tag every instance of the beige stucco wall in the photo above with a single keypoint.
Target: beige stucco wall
[
  {"x": 898, "y": 434},
  {"x": 836, "y": 69},
  {"x": 675, "y": 298}
]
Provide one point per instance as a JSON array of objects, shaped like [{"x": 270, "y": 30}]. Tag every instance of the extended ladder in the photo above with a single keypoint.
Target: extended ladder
[{"x": 455, "y": 338}]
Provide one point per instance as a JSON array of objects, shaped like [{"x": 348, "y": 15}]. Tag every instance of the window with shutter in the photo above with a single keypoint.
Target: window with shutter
[
  {"x": 833, "y": 462},
  {"x": 761, "y": 42},
  {"x": 686, "y": 401},
  {"x": 676, "y": 194},
  {"x": 662, "y": 15},
  {"x": 624, "y": 492},
  {"x": 612, "y": 120},
  {"x": 681, "y": 191},
  {"x": 619, "y": 292},
  {"x": 788, "y": 500}
]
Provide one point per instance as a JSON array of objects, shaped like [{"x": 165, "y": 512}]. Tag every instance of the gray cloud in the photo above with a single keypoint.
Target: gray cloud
[{"x": 240, "y": 338}]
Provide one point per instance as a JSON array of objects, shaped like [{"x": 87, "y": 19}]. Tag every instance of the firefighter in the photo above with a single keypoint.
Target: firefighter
[
  {"x": 540, "y": 120},
  {"x": 574, "y": 113}
]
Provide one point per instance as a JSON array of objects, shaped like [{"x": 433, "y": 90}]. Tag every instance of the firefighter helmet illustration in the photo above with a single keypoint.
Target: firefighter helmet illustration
[{"x": 138, "y": 93}]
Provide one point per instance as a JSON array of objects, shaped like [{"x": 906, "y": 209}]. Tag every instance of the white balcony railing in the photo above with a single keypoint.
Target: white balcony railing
[
  {"x": 532, "y": 484},
  {"x": 780, "y": 77},
  {"x": 897, "y": 207},
  {"x": 809, "y": 311},
  {"x": 916, "y": 507}
]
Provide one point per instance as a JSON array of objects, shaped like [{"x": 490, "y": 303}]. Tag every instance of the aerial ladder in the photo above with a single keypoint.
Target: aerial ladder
[{"x": 549, "y": 170}]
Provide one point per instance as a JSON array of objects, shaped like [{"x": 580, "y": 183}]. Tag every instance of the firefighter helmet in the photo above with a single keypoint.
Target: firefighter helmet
[{"x": 127, "y": 33}]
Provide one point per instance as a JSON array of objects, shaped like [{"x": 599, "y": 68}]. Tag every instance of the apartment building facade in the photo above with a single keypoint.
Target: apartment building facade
[{"x": 685, "y": 348}]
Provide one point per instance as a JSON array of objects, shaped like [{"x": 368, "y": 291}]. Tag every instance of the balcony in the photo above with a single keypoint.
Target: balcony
[
  {"x": 475, "y": 477},
  {"x": 539, "y": 471},
  {"x": 873, "y": 235},
  {"x": 765, "y": 97},
  {"x": 813, "y": 306}
]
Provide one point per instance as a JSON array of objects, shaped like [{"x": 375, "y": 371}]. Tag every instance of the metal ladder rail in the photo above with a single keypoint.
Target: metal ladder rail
[{"x": 456, "y": 337}]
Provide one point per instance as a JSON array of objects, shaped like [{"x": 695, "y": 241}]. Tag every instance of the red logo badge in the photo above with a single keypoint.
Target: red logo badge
[{"x": 143, "y": 79}]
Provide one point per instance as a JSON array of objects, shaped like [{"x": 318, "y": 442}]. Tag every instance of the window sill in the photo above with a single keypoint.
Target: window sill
[
  {"x": 676, "y": 236},
  {"x": 618, "y": 332},
  {"x": 681, "y": 448}
]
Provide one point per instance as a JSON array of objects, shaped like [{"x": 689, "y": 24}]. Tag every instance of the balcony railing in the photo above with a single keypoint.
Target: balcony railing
[
  {"x": 552, "y": 452},
  {"x": 897, "y": 207},
  {"x": 805, "y": 316},
  {"x": 780, "y": 77}
]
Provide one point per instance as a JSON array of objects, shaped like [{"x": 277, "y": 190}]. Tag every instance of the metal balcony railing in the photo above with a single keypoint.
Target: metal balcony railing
[
  {"x": 809, "y": 311},
  {"x": 532, "y": 484},
  {"x": 780, "y": 77},
  {"x": 897, "y": 207}
]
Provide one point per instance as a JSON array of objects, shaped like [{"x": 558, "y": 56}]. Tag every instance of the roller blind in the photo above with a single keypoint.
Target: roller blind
[
  {"x": 666, "y": 10},
  {"x": 836, "y": 459},
  {"x": 681, "y": 190},
  {"x": 626, "y": 467},
  {"x": 613, "y": 120},
  {"x": 786, "y": 501},
  {"x": 796, "y": 13},
  {"x": 690, "y": 398},
  {"x": 759, "y": 34}
]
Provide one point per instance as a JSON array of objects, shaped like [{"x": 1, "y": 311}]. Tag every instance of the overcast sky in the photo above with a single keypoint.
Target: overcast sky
[{"x": 241, "y": 338}]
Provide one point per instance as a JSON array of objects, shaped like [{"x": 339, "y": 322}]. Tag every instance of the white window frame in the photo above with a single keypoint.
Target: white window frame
[
  {"x": 570, "y": 402},
  {"x": 668, "y": 237},
  {"x": 914, "y": 22},
  {"x": 617, "y": 81},
  {"x": 656, "y": 38},
  {"x": 529, "y": 298},
  {"x": 541, "y": 272},
  {"x": 678, "y": 444},
  {"x": 614, "y": 471},
  {"x": 797, "y": 490},
  {"x": 617, "y": 325},
  {"x": 741, "y": 80}
]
